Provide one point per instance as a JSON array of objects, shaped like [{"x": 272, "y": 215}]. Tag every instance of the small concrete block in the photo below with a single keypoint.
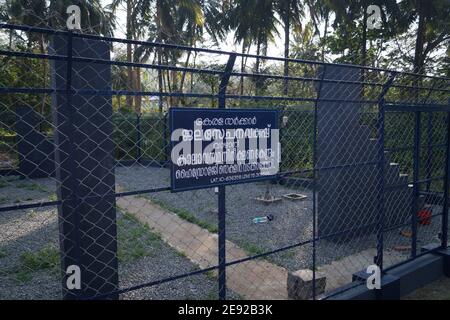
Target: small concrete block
[
  {"x": 300, "y": 284},
  {"x": 267, "y": 201}
]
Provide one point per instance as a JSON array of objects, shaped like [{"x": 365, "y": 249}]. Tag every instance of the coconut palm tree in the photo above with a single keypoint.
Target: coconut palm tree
[
  {"x": 163, "y": 21},
  {"x": 290, "y": 12},
  {"x": 433, "y": 27},
  {"x": 253, "y": 22},
  {"x": 52, "y": 14}
]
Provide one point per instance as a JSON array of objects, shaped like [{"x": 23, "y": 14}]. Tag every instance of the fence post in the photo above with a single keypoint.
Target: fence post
[
  {"x": 314, "y": 208},
  {"x": 444, "y": 237},
  {"x": 84, "y": 158},
  {"x": 429, "y": 161},
  {"x": 221, "y": 197},
  {"x": 138, "y": 138},
  {"x": 381, "y": 174},
  {"x": 415, "y": 203}
]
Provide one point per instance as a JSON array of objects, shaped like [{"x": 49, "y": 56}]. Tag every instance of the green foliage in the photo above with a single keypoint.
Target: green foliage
[
  {"x": 32, "y": 187},
  {"x": 46, "y": 258},
  {"x": 186, "y": 215},
  {"x": 152, "y": 136},
  {"x": 249, "y": 248},
  {"x": 53, "y": 197}
]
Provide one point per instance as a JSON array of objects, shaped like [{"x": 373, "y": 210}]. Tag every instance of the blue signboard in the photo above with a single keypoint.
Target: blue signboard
[{"x": 214, "y": 147}]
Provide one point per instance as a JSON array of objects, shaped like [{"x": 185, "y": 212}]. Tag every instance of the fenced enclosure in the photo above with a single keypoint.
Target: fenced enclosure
[{"x": 85, "y": 164}]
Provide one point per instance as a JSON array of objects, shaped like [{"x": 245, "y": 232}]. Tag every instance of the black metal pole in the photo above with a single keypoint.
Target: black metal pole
[
  {"x": 381, "y": 174},
  {"x": 381, "y": 159},
  {"x": 415, "y": 202},
  {"x": 221, "y": 197},
  {"x": 138, "y": 137},
  {"x": 314, "y": 208},
  {"x": 429, "y": 161},
  {"x": 444, "y": 233}
]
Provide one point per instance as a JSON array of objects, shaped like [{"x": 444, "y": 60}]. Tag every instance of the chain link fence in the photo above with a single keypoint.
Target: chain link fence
[{"x": 85, "y": 173}]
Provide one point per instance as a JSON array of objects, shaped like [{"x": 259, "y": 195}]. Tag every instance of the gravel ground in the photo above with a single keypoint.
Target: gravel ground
[
  {"x": 437, "y": 290},
  {"x": 33, "y": 230},
  {"x": 29, "y": 258},
  {"x": 24, "y": 233},
  {"x": 292, "y": 222}
]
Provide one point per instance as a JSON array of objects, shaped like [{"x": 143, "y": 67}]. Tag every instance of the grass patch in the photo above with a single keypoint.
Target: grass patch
[
  {"x": 250, "y": 248},
  {"x": 211, "y": 275},
  {"x": 7, "y": 133},
  {"x": 3, "y": 253},
  {"x": 135, "y": 240},
  {"x": 211, "y": 295},
  {"x": 53, "y": 197},
  {"x": 4, "y": 200},
  {"x": 46, "y": 258},
  {"x": 183, "y": 214},
  {"x": 32, "y": 187},
  {"x": 186, "y": 215},
  {"x": 23, "y": 276}
]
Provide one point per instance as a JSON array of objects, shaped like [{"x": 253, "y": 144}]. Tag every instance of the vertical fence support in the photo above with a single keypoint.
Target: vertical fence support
[
  {"x": 415, "y": 198},
  {"x": 444, "y": 232},
  {"x": 429, "y": 161},
  {"x": 166, "y": 142},
  {"x": 221, "y": 198},
  {"x": 380, "y": 184},
  {"x": 84, "y": 158},
  {"x": 314, "y": 209},
  {"x": 378, "y": 260},
  {"x": 138, "y": 138}
]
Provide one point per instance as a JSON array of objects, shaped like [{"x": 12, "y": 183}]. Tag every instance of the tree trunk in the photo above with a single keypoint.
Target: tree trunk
[
  {"x": 129, "y": 56},
  {"x": 192, "y": 75},
  {"x": 159, "y": 53},
  {"x": 258, "y": 61},
  {"x": 418, "y": 52},
  {"x": 138, "y": 98},
  {"x": 241, "y": 82},
  {"x": 364, "y": 38},
  {"x": 10, "y": 39},
  {"x": 325, "y": 36},
  {"x": 183, "y": 76},
  {"x": 44, "y": 67},
  {"x": 420, "y": 39},
  {"x": 137, "y": 88},
  {"x": 168, "y": 84}
]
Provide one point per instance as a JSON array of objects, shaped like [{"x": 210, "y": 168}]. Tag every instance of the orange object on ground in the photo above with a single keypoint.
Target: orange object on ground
[
  {"x": 407, "y": 234},
  {"x": 424, "y": 216}
]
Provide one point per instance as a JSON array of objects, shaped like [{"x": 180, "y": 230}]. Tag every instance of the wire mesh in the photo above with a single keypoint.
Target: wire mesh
[{"x": 85, "y": 173}]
